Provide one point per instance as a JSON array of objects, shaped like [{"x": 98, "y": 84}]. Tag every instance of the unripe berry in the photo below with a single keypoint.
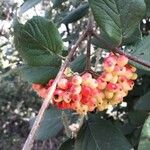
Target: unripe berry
[
  {"x": 63, "y": 84},
  {"x": 76, "y": 80},
  {"x": 134, "y": 76},
  {"x": 122, "y": 60},
  {"x": 108, "y": 94},
  {"x": 83, "y": 110},
  {"x": 102, "y": 106}
]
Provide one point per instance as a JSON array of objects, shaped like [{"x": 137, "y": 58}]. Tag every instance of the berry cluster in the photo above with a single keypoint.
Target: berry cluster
[{"x": 85, "y": 93}]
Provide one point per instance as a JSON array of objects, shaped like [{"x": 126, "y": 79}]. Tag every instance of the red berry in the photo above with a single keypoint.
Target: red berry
[
  {"x": 122, "y": 60},
  {"x": 112, "y": 87},
  {"x": 75, "y": 89},
  {"x": 76, "y": 80}
]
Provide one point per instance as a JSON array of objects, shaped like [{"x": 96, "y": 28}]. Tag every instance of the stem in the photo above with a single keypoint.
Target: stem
[
  {"x": 117, "y": 50},
  {"x": 88, "y": 61},
  {"x": 29, "y": 142},
  {"x": 90, "y": 28}
]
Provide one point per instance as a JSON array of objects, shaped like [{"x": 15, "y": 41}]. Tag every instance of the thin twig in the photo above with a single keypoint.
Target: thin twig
[
  {"x": 29, "y": 142},
  {"x": 88, "y": 61},
  {"x": 117, "y": 50}
]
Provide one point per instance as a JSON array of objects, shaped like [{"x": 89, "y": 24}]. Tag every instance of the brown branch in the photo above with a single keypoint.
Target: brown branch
[
  {"x": 90, "y": 28},
  {"x": 29, "y": 142},
  {"x": 88, "y": 61},
  {"x": 117, "y": 50}
]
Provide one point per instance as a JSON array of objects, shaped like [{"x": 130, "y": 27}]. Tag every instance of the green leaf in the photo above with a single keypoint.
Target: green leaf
[
  {"x": 134, "y": 38},
  {"x": 78, "y": 65},
  {"x": 39, "y": 74},
  {"x": 147, "y": 7},
  {"x": 67, "y": 145},
  {"x": 137, "y": 118},
  {"x": 51, "y": 124},
  {"x": 117, "y": 19},
  {"x": 145, "y": 136},
  {"x": 100, "y": 134},
  {"x": 76, "y": 14},
  {"x": 143, "y": 103},
  {"x": 142, "y": 50},
  {"x": 40, "y": 35},
  {"x": 39, "y": 42},
  {"x": 27, "y": 5}
]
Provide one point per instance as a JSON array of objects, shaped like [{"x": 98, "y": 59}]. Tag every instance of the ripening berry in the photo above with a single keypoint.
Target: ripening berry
[
  {"x": 86, "y": 76},
  {"x": 42, "y": 92},
  {"x": 76, "y": 80},
  {"x": 36, "y": 87},
  {"x": 50, "y": 83},
  {"x": 101, "y": 84},
  {"x": 119, "y": 70},
  {"x": 130, "y": 67},
  {"x": 122, "y": 60},
  {"x": 128, "y": 74},
  {"x": 91, "y": 103},
  {"x": 66, "y": 97},
  {"x": 110, "y": 60},
  {"x": 100, "y": 96},
  {"x": 63, "y": 84},
  {"x": 105, "y": 76},
  {"x": 112, "y": 87},
  {"x": 92, "y": 83},
  {"x": 114, "y": 79},
  {"x": 108, "y": 94},
  {"x": 127, "y": 85},
  {"x": 76, "y": 97},
  {"x": 76, "y": 89}
]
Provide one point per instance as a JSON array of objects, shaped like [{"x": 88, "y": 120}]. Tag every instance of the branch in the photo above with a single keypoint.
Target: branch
[
  {"x": 88, "y": 61},
  {"x": 29, "y": 142},
  {"x": 117, "y": 50},
  {"x": 90, "y": 28}
]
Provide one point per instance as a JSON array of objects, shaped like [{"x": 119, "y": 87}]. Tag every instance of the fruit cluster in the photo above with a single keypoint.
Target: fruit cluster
[{"x": 85, "y": 93}]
